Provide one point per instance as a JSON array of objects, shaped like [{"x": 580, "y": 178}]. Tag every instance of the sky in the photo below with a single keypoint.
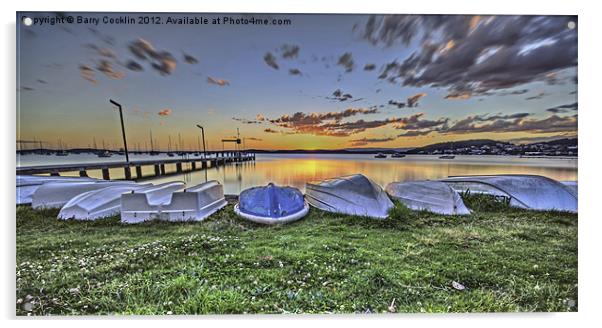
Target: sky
[{"x": 312, "y": 82}]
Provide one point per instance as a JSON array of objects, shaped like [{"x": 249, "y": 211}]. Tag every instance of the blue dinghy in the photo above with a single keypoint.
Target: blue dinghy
[{"x": 271, "y": 204}]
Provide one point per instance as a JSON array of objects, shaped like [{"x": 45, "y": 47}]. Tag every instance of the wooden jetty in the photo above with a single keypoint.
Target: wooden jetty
[{"x": 214, "y": 159}]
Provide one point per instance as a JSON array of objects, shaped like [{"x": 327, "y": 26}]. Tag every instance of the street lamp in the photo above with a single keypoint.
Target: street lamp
[
  {"x": 203, "y": 135},
  {"x": 125, "y": 143}
]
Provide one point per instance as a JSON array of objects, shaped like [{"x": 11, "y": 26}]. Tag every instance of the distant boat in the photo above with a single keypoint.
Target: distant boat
[
  {"x": 380, "y": 155},
  {"x": 447, "y": 157},
  {"x": 61, "y": 153},
  {"x": 104, "y": 153},
  {"x": 171, "y": 154},
  {"x": 398, "y": 155}
]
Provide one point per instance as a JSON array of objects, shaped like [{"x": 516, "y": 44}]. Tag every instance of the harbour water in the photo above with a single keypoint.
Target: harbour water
[{"x": 296, "y": 169}]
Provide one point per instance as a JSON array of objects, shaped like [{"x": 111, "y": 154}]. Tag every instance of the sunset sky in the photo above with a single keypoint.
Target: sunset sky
[{"x": 324, "y": 81}]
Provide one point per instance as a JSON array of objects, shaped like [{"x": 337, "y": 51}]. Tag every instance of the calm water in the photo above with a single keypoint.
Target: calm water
[{"x": 296, "y": 169}]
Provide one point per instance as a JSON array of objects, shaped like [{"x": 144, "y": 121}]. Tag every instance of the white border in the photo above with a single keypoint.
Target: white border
[{"x": 589, "y": 161}]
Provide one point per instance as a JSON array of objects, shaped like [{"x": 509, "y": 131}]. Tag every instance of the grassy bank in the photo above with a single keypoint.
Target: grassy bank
[{"x": 507, "y": 260}]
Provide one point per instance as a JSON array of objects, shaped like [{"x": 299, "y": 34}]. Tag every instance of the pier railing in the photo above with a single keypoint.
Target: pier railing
[{"x": 196, "y": 163}]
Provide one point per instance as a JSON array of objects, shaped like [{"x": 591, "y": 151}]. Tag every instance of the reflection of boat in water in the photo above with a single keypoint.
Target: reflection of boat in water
[
  {"x": 447, "y": 157},
  {"x": 271, "y": 204},
  {"x": 398, "y": 155},
  {"x": 353, "y": 194},
  {"x": 433, "y": 196},
  {"x": 380, "y": 155}
]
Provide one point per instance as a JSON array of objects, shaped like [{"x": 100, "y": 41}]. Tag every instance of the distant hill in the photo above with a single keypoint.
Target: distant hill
[
  {"x": 562, "y": 142},
  {"x": 442, "y": 146}
]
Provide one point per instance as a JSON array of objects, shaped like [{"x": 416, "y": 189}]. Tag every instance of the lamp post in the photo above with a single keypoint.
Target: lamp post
[
  {"x": 125, "y": 143},
  {"x": 203, "y": 135}
]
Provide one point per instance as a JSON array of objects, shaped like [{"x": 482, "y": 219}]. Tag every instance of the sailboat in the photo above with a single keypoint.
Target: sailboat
[
  {"x": 169, "y": 153},
  {"x": 61, "y": 151},
  {"x": 152, "y": 152},
  {"x": 104, "y": 152}
]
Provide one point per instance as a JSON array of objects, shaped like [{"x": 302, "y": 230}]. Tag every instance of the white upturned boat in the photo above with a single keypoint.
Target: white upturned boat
[
  {"x": 271, "y": 204},
  {"x": 433, "y": 196},
  {"x": 353, "y": 194},
  {"x": 99, "y": 203},
  {"x": 195, "y": 203},
  {"x": 524, "y": 191},
  {"x": 28, "y": 184},
  {"x": 57, "y": 194},
  {"x": 143, "y": 205}
]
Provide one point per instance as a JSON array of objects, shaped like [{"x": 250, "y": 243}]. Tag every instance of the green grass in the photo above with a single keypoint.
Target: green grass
[{"x": 507, "y": 259}]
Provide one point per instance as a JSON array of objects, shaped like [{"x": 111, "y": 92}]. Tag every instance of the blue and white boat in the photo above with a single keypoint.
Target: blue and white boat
[{"x": 271, "y": 204}]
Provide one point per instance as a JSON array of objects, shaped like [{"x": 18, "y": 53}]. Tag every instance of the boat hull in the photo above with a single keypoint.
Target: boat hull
[
  {"x": 353, "y": 195},
  {"x": 432, "y": 196}
]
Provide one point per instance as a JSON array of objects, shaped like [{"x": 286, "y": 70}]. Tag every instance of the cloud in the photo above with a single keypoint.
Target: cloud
[
  {"x": 42, "y": 81},
  {"x": 219, "y": 82},
  {"x": 294, "y": 71},
  {"x": 473, "y": 55},
  {"x": 397, "y": 103},
  {"x": 253, "y": 139},
  {"x": 106, "y": 67},
  {"x": 512, "y": 93},
  {"x": 162, "y": 61},
  {"x": 365, "y": 141},
  {"x": 562, "y": 108},
  {"x": 102, "y": 37},
  {"x": 165, "y": 112},
  {"x": 346, "y": 60},
  {"x": 338, "y": 95},
  {"x": 190, "y": 59},
  {"x": 290, "y": 51},
  {"x": 513, "y": 123},
  {"x": 87, "y": 73},
  {"x": 260, "y": 117},
  {"x": 245, "y": 121},
  {"x": 537, "y": 96},
  {"x": 269, "y": 130},
  {"x": 270, "y": 60},
  {"x": 369, "y": 67},
  {"x": 328, "y": 123},
  {"x": 134, "y": 66},
  {"x": 413, "y": 100},
  {"x": 103, "y": 52}
]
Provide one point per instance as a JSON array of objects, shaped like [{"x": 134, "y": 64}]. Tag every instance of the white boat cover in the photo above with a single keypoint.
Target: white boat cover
[
  {"x": 99, "y": 203},
  {"x": 195, "y": 203},
  {"x": 524, "y": 191},
  {"x": 28, "y": 184},
  {"x": 57, "y": 194},
  {"x": 271, "y": 204},
  {"x": 353, "y": 194},
  {"x": 143, "y": 205},
  {"x": 433, "y": 196}
]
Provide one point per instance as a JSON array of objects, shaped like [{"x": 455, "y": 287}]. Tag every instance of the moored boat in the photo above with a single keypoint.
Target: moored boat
[
  {"x": 353, "y": 195},
  {"x": 271, "y": 204},
  {"x": 432, "y": 196},
  {"x": 380, "y": 155}
]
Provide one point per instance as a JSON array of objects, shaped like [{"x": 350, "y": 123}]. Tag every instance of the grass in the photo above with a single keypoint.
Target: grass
[{"x": 507, "y": 260}]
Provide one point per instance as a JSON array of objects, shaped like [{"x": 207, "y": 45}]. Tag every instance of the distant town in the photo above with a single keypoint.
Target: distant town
[{"x": 561, "y": 147}]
